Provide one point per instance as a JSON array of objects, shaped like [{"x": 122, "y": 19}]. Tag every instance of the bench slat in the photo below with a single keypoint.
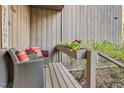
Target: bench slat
[
  {"x": 67, "y": 80},
  {"x": 75, "y": 83},
  {"x": 60, "y": 79},
  {"x": 48, "y": 83},
  {"x": 53, "y": 77},
  {"x": 44, "y": 76}
]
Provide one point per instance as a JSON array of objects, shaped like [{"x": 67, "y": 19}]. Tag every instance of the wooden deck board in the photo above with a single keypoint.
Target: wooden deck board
[
  {"x": 74, "y": 82},
  {"x": 59, "y": 76},
  {"x": 48, "y": 78},
  {"x": 53, "y": 77},
  {"x": 44, "y": 76},
  {"x": 67, "y": 80}
]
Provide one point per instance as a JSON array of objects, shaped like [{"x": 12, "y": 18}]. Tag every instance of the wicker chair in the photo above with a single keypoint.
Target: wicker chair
[{"x": 27, "y": 74}]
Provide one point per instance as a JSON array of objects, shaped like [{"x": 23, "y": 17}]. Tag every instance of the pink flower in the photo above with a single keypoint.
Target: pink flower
[{"x": 79, "y": 41}]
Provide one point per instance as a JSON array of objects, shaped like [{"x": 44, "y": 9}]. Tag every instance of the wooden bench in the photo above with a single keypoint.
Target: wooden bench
[{"x": 57, "y": 76}]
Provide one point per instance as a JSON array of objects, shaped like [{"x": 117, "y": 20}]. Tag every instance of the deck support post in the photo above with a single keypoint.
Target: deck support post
[{"x": 91, "y": 68}]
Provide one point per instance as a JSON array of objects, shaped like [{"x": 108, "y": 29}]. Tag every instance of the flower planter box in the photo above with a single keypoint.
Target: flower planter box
[{"x": 81, "y": 53}]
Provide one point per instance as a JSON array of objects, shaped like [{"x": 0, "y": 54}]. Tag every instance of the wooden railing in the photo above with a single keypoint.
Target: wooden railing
[
  {"x": 92, "y": 59},
  {"x": 110, "y": 59}
]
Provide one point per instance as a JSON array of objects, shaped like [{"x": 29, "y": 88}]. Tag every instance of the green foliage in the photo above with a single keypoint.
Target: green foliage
[
  {"x": 73, "y": 45},
  {"x": 113, "y": 50}
]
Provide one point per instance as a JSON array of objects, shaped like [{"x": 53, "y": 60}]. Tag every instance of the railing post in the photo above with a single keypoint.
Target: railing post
[{"x": 91, "y": 68}]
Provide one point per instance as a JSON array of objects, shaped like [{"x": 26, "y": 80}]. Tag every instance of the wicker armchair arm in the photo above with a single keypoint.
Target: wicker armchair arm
[{"x": 32, "y": 61}]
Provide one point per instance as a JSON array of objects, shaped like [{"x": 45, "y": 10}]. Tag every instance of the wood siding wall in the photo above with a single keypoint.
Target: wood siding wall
[
  {"x": 86, "y": 22},
  {"x": 3, "y": 80},
  {"x": 0, "y": 25},
  {"x": 19, "y": 28},
  {"x": 46, "y": 30},
  {"x": 92, "y": 22},
  {"x": 19, "y": 34}
]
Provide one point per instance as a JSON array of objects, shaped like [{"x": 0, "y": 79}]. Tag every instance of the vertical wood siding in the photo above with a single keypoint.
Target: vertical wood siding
[
  {"x": 2, "y": 65},
  {"x": 0, "y": 25},
  {"x": 46, "y": 30},
  {"x": 19, "y": 26},
  {"x": 3, "y": 71},
  {"x": 92, "y": 22},
  {"x": 19, "y": 35}
]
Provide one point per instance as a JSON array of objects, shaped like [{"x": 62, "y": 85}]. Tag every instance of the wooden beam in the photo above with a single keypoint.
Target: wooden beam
[
  {"x": 75, "y": 54},
  {"x": 54, "y": 7},
  {"x": 91, "y": 68}
]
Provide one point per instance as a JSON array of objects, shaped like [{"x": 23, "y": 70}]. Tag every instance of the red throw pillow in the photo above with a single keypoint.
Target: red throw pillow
[
  {"x": 36, "y": 50},
  {"x": 22, "y": 56}
]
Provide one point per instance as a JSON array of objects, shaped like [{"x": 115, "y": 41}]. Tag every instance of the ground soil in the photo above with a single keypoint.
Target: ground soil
[{"x": 105, "y": 78}]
